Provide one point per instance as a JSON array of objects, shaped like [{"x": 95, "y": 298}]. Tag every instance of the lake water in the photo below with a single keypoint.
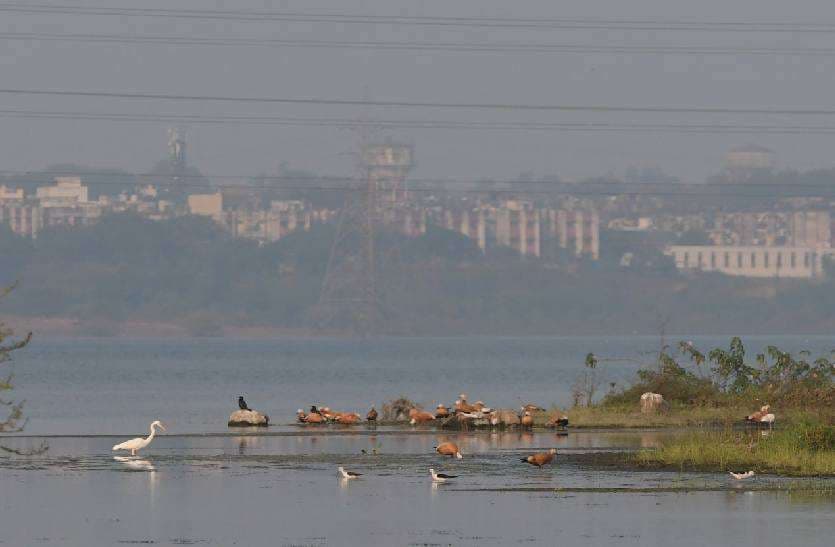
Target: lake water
[
  {"x": 283, "y": 490},
  {"x": 201, "y": 484},
  {"x": 116, "y": 386}
]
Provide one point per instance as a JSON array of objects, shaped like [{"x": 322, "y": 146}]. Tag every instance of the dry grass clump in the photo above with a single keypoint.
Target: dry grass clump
[{"x": 398, "y": 409}]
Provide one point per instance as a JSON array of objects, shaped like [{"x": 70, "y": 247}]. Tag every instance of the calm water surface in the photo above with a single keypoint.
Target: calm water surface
[
  {"x": 104, "y": 386},
  {"x": 283, "y": 490},
  {"x": 202, "y": 485}
]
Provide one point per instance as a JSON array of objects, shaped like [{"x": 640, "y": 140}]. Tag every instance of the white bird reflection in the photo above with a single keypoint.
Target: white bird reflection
[{"x": 135, "y": 464}]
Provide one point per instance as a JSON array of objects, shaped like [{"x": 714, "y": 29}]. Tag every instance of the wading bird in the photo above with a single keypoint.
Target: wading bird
[
  {"x": 757, "y": 416},
  {"x": 440, "y": 477},
  {"x": 741, "y": 476},
  {"x": 540, "y": 458},
  {"x": 140, "y": 442},
  {"x": 348, "y": 474},
  {"x": 448, "y": 449}
]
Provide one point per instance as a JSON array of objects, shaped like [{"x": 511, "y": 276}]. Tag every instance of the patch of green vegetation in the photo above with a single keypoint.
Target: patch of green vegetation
[
  {"x": 722, "y": 385},
  {"x": 805, "y": 449}
]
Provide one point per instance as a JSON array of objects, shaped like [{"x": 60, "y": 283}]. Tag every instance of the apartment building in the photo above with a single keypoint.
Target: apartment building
[{"x": 750, "y": 261}]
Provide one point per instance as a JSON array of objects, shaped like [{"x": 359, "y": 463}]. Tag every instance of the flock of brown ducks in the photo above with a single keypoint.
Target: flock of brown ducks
[{"x": 461, "y": 408}]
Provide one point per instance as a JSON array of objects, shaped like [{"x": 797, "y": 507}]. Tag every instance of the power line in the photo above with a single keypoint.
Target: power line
[
  {"x": 150, "y": 96},
  {"x": 580, "y": 23},
  {"x": 779, "y": 129},
  {"x": 463, "y": 47}
]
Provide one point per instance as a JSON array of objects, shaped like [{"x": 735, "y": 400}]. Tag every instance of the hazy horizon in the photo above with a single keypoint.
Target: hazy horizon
[{"x": 577, "y": 78}]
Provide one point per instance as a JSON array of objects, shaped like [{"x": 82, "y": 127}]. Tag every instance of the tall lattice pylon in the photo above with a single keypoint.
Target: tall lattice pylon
[
  {"x": 349, "y": 292},
  {"x": 351, "y": 296}
]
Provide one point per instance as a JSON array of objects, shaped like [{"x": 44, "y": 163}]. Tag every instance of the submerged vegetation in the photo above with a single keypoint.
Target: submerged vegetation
[{"x": 805, "y": 449}]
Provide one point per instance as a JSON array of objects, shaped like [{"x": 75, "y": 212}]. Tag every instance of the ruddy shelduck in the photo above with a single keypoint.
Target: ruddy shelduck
[
  {"x": 541, "y": 458},
  {"x": 448, "y": 449}
]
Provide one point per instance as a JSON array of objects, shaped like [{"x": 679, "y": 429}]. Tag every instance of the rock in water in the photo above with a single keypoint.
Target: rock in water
[{"x": 248, "y": 418}]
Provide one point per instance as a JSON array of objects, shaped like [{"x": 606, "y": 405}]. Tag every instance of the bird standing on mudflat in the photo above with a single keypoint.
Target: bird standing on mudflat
[
  {"x": 441, "y": 477},
  {"x": 540, "y": 458},
  {"x": 140, "y": 442},
  {"x": 448, "y": 449},
  {"x": 348, "y": 474}
]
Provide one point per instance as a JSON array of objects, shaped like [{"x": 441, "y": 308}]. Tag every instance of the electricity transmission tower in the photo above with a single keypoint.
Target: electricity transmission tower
[
  {"x": 350, "y": 295},
  {"x": 349, "y": 291}
]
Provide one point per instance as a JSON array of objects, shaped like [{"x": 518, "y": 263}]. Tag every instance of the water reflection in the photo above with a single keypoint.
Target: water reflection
[
  {"x": 247, "y": 443},
  {"x": 134, "y": 463}
]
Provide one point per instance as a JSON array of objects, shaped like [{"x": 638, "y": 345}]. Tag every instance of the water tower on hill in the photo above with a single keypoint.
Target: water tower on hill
[
  {"x": 387, "y": 165},
  {"x": 743, "y": 162}
]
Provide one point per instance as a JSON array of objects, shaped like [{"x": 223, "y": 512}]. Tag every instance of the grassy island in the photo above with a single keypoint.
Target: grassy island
[
  {"x": 805, "y": 449},
  {"x": 710, "y": 395}
]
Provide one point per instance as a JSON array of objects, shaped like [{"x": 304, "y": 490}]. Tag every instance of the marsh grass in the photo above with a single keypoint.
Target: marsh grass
[
  {"x": 682, "y": 416},
  {"x": 631, "y": 417},
  {"x": 805, "y": 449}
]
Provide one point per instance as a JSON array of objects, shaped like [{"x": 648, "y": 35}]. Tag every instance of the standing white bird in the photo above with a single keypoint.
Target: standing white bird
[
  {"x": 440, "y": 477},
  {"x": 741, "y": 476},
  {"x": 140, "y": 442},
  {"x": 348, "y": 474},
  {"x": 768, "y": 419}
]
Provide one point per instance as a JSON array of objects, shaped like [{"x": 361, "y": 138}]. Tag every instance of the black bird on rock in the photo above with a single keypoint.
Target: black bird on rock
[{"x": 242, "y": 404}]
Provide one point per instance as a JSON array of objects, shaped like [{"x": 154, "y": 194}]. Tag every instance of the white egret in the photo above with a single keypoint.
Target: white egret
[{"x": 140, "y": 442}]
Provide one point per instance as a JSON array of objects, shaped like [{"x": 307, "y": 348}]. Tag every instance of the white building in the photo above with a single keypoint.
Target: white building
[
  {"x": 750, "y": 261},
  {"x": 10, "y": 194},
  {"x": 749, "y": 157},
  {"x": 24, "y": 219},
  {"x": 67, "y": 191}
]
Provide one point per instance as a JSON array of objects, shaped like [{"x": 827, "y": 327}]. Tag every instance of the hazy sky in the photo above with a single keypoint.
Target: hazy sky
[{"x": 525, "y": 78}]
